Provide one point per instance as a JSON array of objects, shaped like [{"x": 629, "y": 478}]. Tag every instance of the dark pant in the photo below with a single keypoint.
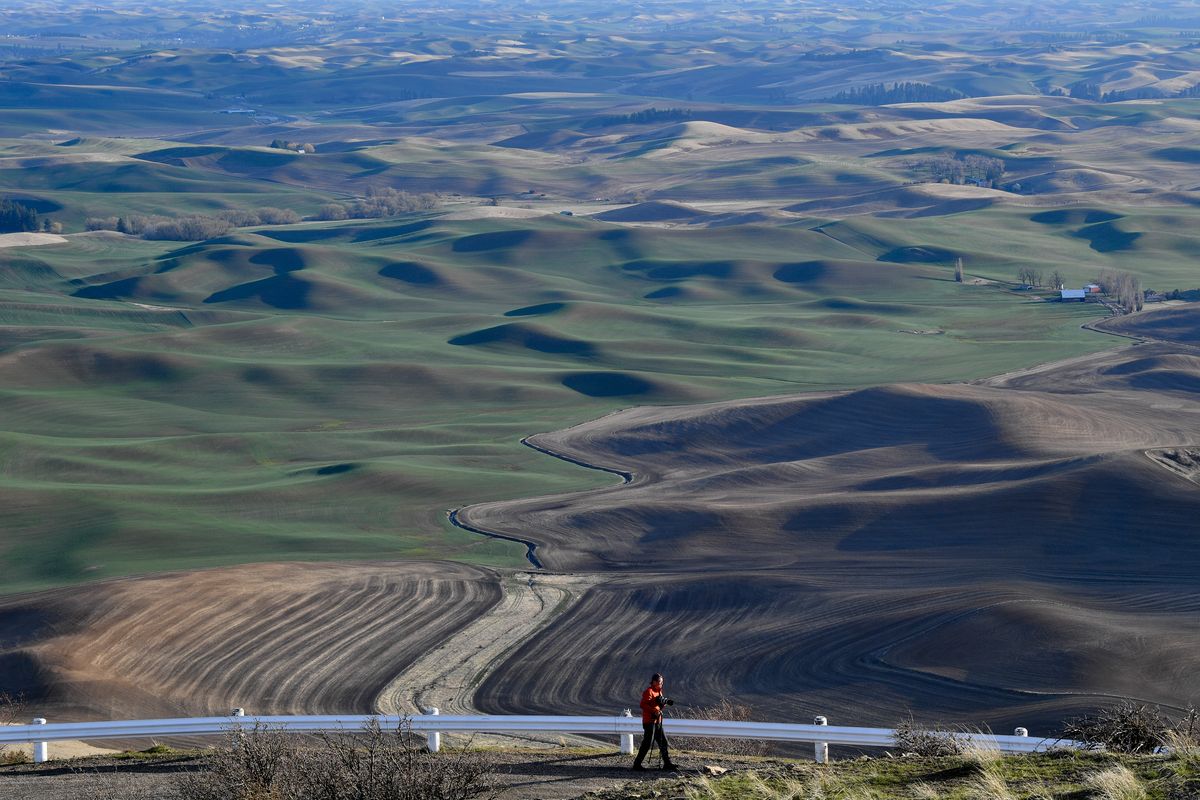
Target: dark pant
[{"x": 653, "y": 732}]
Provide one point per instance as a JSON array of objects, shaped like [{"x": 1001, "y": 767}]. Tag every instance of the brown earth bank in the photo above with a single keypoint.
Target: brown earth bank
[
  {"x": 272, "y": 638},
  {"x": 1001, "y": 553}
]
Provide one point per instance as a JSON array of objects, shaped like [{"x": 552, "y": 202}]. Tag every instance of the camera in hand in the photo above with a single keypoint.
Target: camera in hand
[{"x": 663, "y": 701}]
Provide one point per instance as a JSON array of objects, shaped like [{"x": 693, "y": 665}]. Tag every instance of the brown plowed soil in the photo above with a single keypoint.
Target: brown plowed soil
[
  {"x": 1001, "y": 553},
  {"x": 271, "y": 638}
]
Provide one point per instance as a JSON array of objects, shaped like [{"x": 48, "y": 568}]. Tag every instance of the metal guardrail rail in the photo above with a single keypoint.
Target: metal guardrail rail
[{"x": 433, "y": 724}]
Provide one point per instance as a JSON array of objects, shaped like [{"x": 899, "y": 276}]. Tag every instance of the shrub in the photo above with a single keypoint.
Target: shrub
[
  {"x": 922, "y": 741},
  {"x": 375, "y": 764},
  {"x": 1123, "y": 728},
  {"x": 12, "y": 711},
  {"x": 725, "y": 709}
]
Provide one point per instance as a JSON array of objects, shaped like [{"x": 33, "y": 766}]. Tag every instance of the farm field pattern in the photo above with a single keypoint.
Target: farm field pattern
[{"x": 712, "y": 250}]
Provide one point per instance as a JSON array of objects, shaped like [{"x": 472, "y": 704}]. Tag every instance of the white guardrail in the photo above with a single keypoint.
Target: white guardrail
[{"x": 433, "y": 724}]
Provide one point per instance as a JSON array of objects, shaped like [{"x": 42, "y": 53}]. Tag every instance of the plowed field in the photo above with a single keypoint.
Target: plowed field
[
  {"x": 1008, "y": 552},
  {"x": 275, "y": 638}
]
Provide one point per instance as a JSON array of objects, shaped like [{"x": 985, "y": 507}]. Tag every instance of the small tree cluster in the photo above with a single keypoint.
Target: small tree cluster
[
  {"x": 1028, "y": 276},
  {"x": 379, "y": 202},
  {"x": 295, "y": 147},
  {"x": 376, "y": 764},
  {"x": 194, "y": 228},
  {"x": 188, "y": 229},
  {"x": 17, "y": 217},
  {"x": 961, "y": 169},
  {"x": 1124, "y": 288}
]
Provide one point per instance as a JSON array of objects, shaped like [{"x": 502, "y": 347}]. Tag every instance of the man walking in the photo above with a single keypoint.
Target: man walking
[{"x": 652, "y": 730}]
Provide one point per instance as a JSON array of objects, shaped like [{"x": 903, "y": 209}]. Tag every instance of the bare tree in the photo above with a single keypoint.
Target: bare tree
[
  {"x": 1124, "y": 288},
  {"x": 1029, "y": 276},
  {"x": 1057, "y": 281}
]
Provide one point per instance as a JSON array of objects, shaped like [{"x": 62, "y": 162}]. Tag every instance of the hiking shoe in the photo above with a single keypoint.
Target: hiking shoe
[{"x": 670, "y": 768}]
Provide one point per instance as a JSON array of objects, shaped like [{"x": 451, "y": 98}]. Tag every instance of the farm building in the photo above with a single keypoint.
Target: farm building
[{"x": 1073, "y": 294}]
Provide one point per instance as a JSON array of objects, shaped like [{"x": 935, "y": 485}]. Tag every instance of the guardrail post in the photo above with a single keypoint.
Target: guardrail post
[
  {"x": 821, "y": 749},
  {"x": 627, "y": 738},
  {"x": 40, "y": 754},
  {"x": 434, "y": 739},
  {"x": 1021, "y": 732}
]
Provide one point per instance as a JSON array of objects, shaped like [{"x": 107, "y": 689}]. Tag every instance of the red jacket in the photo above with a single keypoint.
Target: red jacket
[{"x": 651, "y": 712}]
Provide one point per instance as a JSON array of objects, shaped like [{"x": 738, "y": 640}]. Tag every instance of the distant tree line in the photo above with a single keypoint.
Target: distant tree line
[
  {"x": 193, "y": 228},
  {"x": 972, "y": 168},
  {"x": 644, "y": 117},
  {"x": 17, "y": 217},
  {"x": 880, "y": 94},
  {"x": 838, "y": 55},
  {"x": 1090, "y": 90},
  {"x": 379, "y": 202}
]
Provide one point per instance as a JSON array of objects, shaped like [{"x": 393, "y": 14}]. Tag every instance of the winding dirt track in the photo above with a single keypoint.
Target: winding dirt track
[{"x": 446, "y": 676}]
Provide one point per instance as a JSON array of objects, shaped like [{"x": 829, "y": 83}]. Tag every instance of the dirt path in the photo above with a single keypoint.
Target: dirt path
[{"x": 446, "y": 676}]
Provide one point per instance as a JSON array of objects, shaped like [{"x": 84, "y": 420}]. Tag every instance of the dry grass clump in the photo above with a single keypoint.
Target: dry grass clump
[
  {"x": 981, "y": 753},
  {"x": 753, "y": 786},
  {"x": 375, "y": 764},
  {"x": 1115, "y": 783}
]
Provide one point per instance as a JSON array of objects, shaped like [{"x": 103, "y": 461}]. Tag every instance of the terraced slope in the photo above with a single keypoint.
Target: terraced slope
[
  {"x": 274, "y": 638},
  {"x": 1005, "y": 553}
]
